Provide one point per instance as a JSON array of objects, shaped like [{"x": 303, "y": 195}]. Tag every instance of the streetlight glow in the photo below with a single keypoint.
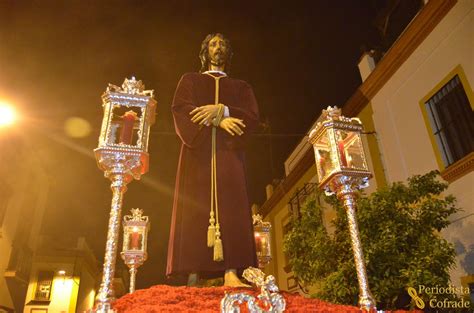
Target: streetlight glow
[{"x": 7, "y": 114}]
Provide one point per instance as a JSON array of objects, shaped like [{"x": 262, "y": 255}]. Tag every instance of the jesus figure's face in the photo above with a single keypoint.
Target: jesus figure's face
[{"x": 217, "y": 51}]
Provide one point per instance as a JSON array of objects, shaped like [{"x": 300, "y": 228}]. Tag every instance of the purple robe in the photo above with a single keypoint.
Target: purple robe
[{"x": 187, "y": 249}]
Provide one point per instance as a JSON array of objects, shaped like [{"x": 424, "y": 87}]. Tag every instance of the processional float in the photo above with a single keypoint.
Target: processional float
[{"x": 122, "y": 154}]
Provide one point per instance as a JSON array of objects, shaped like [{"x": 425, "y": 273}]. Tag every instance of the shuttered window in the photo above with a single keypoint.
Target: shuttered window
[{"x": 452, "y": 121}]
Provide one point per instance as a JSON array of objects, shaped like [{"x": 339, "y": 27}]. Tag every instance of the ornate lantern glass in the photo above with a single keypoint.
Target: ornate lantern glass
[
  {"x": 135, "y": 233},
  {"x": 129, "y": 111},
  {"x": 338, "y": 146},
  {"x": 262, "y": 233}
]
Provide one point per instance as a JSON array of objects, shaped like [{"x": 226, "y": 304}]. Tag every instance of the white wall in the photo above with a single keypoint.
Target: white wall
[
  {"x": 404, "y": 138},
  {"x": 397, "y": 115}
]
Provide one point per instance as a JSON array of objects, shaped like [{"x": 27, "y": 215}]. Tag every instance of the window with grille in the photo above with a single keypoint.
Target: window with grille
[
  {"x": 452, "y": 121},
  {"x": 44, "y": 285}
]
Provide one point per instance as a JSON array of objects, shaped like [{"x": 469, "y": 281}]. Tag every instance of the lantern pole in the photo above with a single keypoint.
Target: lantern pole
[
  {"x": 122, "y": 161},
  {"x": 133, "y": 277},
  {"x": 344, "y": 177},
  {"x": 106, "y": 292},
  {"x": 346, "y": 187}
]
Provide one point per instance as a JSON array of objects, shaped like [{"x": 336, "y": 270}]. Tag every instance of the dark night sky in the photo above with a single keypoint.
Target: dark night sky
[{"x": 57, "y": 57}]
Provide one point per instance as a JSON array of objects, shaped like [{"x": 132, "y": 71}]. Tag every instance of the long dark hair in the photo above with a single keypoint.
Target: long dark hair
[{"x": 204, "y": 53}]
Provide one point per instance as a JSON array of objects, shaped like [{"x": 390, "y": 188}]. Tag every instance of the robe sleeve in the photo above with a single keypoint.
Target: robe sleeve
[
  {"x": 190, "y": 133},
  {"x": 248, "y": 109}
]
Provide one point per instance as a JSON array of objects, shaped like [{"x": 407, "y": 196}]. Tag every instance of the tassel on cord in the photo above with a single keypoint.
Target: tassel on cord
[
  {"x": 218, "y": 249},
  {"x": 211, "y": 231}
]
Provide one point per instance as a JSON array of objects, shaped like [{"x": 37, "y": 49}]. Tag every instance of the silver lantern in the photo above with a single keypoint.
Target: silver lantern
[
  {"x": 338, "y": 149},
  {"x": 342, "y": 169},
  {"x": 129, "y": 111}
]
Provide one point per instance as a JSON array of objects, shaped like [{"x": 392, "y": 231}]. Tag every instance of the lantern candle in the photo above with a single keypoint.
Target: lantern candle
[
  {"x": 128, "y": 121},
  {"x": 342, "y": 153},
  {"x": 135, "y": 240},
  {"x": 258, "y": 243},
  {"x": 323, "y": 157},
  {"x": 263, "y": 246}
]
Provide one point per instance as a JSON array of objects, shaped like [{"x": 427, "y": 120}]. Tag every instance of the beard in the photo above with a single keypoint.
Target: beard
[{"x": 218, "y": 59}]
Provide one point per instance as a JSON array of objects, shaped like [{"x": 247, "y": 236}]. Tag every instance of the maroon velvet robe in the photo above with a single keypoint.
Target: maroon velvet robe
[{"x": 187, "y": 249}]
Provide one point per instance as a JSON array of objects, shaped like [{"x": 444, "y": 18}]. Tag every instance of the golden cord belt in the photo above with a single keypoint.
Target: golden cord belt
[{"x": 213, "y": 231}]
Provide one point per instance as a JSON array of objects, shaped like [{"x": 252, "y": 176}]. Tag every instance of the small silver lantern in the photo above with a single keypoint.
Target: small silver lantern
[
  {"x": 122, "y": 154},
  {"x": 262, "y": 233},
  {"x": 342, "y": 169},
  {"x": 134, "y": 250}
]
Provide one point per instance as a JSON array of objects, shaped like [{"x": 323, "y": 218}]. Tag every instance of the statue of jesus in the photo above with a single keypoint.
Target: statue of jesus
[{"x": 213, "y": 114}]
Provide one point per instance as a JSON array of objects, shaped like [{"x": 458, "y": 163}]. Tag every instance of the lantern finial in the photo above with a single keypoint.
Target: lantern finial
[
  {"x": 131, "y": 86},
  {"x": 333, "y": 113},
  {"x": 258, "y": 221},
  {"x": 137, "y": 216}
]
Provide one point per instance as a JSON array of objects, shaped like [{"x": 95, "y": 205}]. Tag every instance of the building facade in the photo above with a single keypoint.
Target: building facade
[
  {"x": 426, "y": 75},
  {"x": 64, "y": 277},
  {"x": 423, "y": 117},
  {"x": 24, "y": 188}
]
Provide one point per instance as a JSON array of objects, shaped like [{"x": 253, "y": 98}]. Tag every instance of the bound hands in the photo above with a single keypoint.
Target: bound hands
[
  {"x": 232, "y": 125},
  {"x": 204, "y": 115}
]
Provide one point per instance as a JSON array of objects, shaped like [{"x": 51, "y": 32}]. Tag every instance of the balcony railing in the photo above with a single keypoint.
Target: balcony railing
[
  {"x": 20, "y": 262},
  {"x": 298, "y": 199}
]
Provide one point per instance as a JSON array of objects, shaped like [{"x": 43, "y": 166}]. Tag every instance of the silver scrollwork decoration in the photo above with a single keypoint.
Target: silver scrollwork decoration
[{"x": 268, "y": 301}]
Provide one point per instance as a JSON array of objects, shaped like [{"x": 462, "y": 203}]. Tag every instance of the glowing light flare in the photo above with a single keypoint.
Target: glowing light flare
[
  {"x": 77, "y": 127},
  {"x": 7, "y": 114}
]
